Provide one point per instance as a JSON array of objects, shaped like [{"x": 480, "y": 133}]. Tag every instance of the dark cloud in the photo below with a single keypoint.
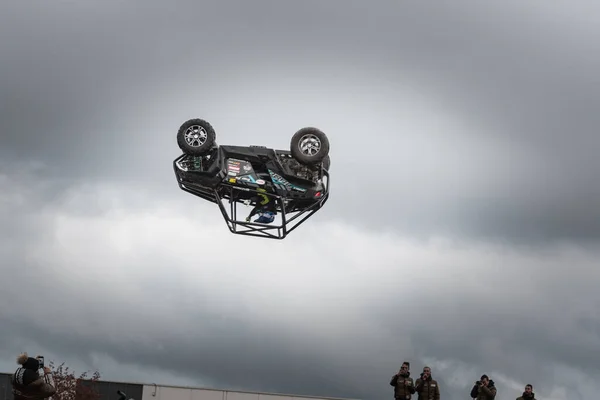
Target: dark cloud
[
  {"x": 470, "y": 123},
  {"x": 337, "y": 326},
  {"x": 348, "y": 353}
]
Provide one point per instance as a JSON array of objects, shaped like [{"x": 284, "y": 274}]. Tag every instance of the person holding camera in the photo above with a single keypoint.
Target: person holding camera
[
  {"x": 403, "y": 384},
  {"x": 484, "y": 389},
  {"x": 528, "y": 393},
  {"x": 427, "y": 387},
  {"x": 27, "y": 384}
]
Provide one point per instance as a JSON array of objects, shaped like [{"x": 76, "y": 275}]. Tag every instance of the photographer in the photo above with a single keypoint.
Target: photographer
[
  {"x": 26, "y": 382},
  {"x": 403, "y": 384},
  {"x": 427, "y": 387},
  {"x": 484, "y": 389},
  {"x": 528, "y": 393}
]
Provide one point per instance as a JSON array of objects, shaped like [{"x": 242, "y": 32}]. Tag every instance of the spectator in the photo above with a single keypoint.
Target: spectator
[
  {"x": 27, "y": 384},
  {"x": 427, "y": 387},
  {"x": 484, "y": 389},
  {"x": 528, "y": 393},
  {"x": 403, "y": 384}
]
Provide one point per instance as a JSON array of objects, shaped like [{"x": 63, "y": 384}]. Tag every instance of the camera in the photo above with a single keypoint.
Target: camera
[{"x": 41, "y": 361}]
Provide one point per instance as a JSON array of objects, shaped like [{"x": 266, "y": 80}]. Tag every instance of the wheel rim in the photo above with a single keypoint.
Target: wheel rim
[
  {"x": 195, "y": 136},
  {"x": 309, "y": 145}
]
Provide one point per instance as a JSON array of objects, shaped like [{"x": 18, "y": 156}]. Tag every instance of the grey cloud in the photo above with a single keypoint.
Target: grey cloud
[
  {"x": 301, "y": 354},
  {"x": 496, "y": 310}
]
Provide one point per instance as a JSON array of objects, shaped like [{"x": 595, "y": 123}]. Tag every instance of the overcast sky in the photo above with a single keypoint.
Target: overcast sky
[{"x": 463, "y": 227}]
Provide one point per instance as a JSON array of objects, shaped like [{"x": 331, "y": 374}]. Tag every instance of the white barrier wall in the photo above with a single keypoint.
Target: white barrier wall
[{"x": 152, "y": 392}]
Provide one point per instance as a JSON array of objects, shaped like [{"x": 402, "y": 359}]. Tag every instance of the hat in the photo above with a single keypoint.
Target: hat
[{"x": 28, "y": 362}]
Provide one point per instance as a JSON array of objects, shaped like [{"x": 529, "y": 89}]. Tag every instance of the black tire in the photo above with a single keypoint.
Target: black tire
[
  {"x": 327, "y": 162},
  {"x": 310, "y": 155},
  {"x": 202, "y": 141}
]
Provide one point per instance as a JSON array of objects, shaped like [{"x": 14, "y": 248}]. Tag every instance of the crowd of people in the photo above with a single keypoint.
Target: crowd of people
[
  {"x": 427, "y": 388},
  {"x": 28, "y": 384}
]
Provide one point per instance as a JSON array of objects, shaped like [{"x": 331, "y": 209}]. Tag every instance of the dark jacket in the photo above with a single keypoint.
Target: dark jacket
[
  {"x": 530, "y": 397},
  {"x": 404, "y": 387},
  {"x": 484, "y": 392},
  {"x": 427, "y": 389}
]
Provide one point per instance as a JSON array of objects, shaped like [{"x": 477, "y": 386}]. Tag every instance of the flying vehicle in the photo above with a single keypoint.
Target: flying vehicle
[{"x": 283, "y": 187}]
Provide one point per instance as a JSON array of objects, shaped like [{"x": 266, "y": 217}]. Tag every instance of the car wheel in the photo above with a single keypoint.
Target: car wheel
[
  {"x": 196, "y": 137},
  {"x": 309, "y": 146}
]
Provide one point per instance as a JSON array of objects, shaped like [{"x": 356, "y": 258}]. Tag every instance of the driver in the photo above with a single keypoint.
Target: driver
[{"x": 265, "y": 207}]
